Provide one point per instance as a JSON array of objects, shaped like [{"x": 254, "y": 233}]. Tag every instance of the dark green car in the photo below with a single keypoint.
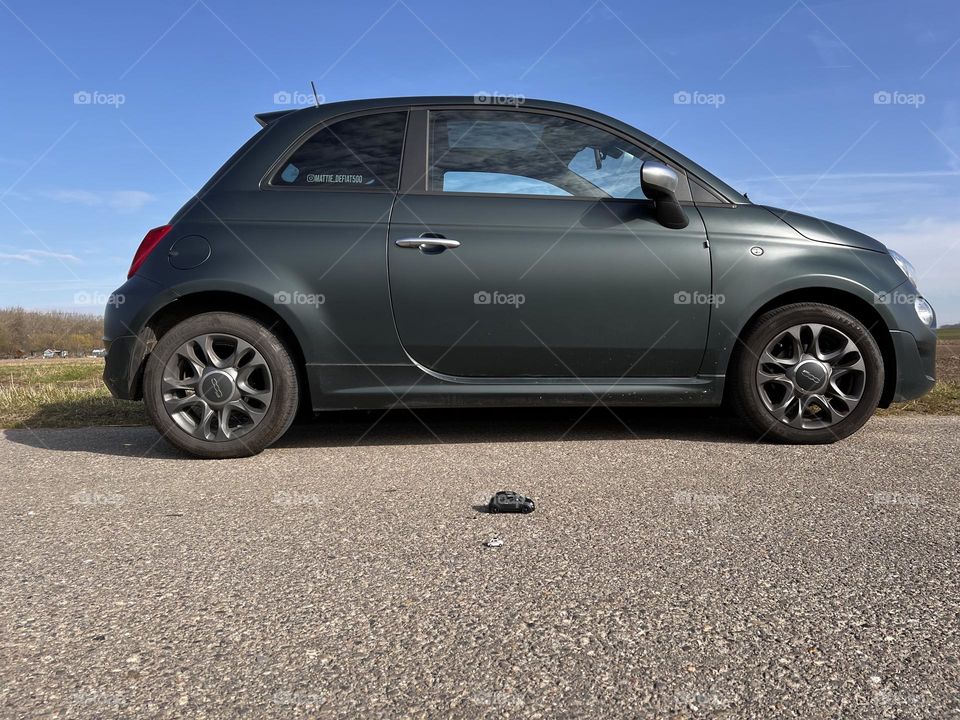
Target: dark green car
[{"x": 442, "y": 251}]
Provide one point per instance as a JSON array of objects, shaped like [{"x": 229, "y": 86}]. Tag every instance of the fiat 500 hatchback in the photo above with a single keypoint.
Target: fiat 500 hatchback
[{"x": 436, "y": 252}]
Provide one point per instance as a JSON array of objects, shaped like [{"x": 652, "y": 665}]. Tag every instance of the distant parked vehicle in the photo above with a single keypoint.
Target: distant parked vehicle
[
  {"x": 49, "y": 353},
  {"x": 99, "y": 352},
  {"x": 431, "y": 252}
]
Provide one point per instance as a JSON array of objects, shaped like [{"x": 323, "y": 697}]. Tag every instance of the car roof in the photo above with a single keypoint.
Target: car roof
[
  {"x": 311, "y": 115},
  {"x": 345, "y": 106}
]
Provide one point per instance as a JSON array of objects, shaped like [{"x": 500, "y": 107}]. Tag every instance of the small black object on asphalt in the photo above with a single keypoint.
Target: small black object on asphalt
[{"x": 507, "y": 501}]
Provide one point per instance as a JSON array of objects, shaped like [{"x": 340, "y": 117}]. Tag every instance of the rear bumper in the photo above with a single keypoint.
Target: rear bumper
[
  {"x": 126, "y": 336},
  {"x": 124, "y": 367},
  {"x": 916, "y": 364}
]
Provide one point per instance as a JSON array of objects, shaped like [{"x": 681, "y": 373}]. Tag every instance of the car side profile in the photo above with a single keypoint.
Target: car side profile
[{"x": 437, "y": 252}]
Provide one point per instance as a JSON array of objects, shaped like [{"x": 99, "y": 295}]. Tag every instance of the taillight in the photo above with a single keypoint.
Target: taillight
[{"x": 149, "y": 242}]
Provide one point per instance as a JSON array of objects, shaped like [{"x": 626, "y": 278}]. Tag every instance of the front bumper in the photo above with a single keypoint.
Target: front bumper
[{"x": 916, "y": 364}]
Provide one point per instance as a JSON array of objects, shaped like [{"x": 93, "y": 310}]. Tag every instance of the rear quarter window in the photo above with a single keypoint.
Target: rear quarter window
[{"x": 357, "y": 153}]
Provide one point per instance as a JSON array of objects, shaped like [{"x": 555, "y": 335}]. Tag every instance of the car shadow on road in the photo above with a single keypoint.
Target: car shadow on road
[
  {"x": 493, "y": 425},
  {"x": 429, "y": 427}
]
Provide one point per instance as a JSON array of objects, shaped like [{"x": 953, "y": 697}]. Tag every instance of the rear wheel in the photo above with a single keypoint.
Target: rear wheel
[
  {"x": 220, "y": 385},
  {"x": 807, "y": 373}
]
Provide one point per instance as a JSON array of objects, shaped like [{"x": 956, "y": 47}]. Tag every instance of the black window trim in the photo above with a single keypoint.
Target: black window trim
[
  {"x": 414, "y": 158},
  {"x": 425, "y": 140},
  {"x": 720, "y": 201},
  {"x": 266, "y": 182}
]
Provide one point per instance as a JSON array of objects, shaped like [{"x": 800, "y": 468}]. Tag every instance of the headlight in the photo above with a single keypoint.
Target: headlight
[
  {"x": 909, "y": 270},
  {"x": 924, "y": 311}
]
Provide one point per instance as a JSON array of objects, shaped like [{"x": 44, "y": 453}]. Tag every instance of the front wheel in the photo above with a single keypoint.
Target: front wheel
[
  {"x": 807, "y": 373},
  {"x": 220, "y": 385}
]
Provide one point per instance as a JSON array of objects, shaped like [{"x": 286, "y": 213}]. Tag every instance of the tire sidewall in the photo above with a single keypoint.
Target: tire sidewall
[{"x": 283, "y": 374}]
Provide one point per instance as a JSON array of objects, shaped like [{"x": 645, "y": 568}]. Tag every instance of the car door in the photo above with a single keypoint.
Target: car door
[
  {"x": 322, "y": 222},
  {"x": 526, "y": 249}
]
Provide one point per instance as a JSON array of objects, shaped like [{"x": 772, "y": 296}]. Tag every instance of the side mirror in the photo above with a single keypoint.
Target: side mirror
[{"x": 659, "y": 183}]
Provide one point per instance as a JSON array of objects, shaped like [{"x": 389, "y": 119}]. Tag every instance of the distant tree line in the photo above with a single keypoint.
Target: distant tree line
[{"x": 23, "y": 332}]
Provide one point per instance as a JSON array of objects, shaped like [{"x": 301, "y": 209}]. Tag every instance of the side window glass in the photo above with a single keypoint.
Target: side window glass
[
  {"x": 495, "y": 182},
  {"x": 614, "y": 169},
  {"x": 361, "y": 153},
  {"x": 525, "y": 153}
]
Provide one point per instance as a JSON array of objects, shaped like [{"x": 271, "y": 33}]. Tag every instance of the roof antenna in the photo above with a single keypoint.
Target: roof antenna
[{"x": 316, "y": 97}]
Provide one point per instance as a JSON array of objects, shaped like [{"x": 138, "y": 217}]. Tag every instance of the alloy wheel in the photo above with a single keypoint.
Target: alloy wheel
[
  {"x": 217, "y": 387},
  {"x": 811, "y": 376}
]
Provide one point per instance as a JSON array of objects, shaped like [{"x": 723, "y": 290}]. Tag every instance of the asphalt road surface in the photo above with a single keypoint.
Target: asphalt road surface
[{"x": 673, "y": 568}]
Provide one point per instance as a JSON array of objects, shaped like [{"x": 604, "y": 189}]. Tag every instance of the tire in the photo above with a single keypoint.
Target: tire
[
  {"x": 849, "y": 383},
  {"x": 226, "y": 356}
]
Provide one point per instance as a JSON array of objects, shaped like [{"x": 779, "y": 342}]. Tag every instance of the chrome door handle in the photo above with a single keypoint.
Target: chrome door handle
[{"x": 428, "y": 244}]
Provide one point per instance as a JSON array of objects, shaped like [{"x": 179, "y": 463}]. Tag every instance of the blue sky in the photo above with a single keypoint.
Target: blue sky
[{"x": 784, "y": 105}]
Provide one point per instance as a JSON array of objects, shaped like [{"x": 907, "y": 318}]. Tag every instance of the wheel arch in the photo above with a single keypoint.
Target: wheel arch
[
  {"x": 843, "y": 300},
  {"x": 186, "y": 306}
]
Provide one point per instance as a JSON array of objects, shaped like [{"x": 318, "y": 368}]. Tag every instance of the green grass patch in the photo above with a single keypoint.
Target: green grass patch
[{"x": 45, "y": 372}]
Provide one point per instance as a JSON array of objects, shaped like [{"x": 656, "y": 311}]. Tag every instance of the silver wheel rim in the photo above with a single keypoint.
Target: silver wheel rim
[
  {"x": 811, "y": 376},
  {"x": 217, "y": 387}
]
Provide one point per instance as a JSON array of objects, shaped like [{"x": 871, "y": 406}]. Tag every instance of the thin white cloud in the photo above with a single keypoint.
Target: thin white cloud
[
  {"x": 833, "y": 53},
  {"x": 932, "y": 245},
  {"x": 912, "y": 212},
  {"x": 814, "y": 177},
  {"x": 124, "y": 201},
  {"x": 36, "y": 257},
  {"x": 949, "y": 133}
]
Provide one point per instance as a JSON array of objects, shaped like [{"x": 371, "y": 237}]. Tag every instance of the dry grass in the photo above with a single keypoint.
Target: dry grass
[
  {"x": 70, "y": 393},
  {"x": 944, "y": 399},
  {"x": 60, "y": 393}
]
